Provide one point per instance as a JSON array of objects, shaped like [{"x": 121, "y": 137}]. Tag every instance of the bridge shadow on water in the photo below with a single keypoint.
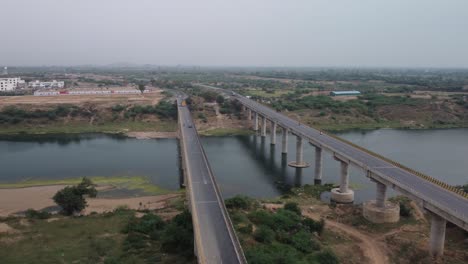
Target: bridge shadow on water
[{"x": 272, "y": 162}]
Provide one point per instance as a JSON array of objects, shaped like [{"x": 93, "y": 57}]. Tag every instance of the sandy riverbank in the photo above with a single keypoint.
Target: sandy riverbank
[
  {"x": 16, "y": 200},
  {"x": 151, "y": 135}
]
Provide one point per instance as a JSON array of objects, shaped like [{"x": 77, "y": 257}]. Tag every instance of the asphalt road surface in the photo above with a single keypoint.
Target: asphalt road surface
[{"x": 215, "y": 241}]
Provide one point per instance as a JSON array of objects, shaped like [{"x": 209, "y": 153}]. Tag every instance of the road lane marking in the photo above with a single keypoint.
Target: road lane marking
[{"x": 205, "y": 202}]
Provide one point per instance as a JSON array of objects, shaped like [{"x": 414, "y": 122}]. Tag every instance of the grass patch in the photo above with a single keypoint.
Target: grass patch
[
  {"x": 122, "y": 182},
  {"x": 91, "y": 239}
]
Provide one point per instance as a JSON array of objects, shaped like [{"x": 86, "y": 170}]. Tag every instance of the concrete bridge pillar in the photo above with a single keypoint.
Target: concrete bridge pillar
[
  {"x": 299, "y": 163},
  {"x": 285, "y": 141},
  {"x": 437, "y": 240},
  {"x": 343, "y": 194},
  {"x": 380, "y": 210},
  {"x": 273, "y": 133},
  {"x": 381, "y": 194},
  {"x": 249, "y": 114},
  {"x": 255, "y": 121},
  {"x": 263, "y": 126},
  {"x": 318, "y": 166}
]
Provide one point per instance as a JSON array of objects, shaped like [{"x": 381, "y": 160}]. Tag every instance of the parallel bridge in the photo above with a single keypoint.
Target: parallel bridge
[{"x": 442, "y": 201}]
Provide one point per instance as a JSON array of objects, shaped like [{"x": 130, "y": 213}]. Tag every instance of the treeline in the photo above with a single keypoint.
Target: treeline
[
  {"x": 14, "y": 115},
  {"x": 364, "y": 104},
  {"x": 283, "y": 236},
  {"x": 163, "y": 110}
]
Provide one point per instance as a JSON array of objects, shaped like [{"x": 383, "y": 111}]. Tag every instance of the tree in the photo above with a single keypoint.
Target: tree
[
  {"x": 71, "y": 199},
  {"x": 220, "y": 99},
  {"x": 141, "y": 87}
]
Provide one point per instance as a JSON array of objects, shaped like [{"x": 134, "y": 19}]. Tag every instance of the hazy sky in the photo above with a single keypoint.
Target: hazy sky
[{"x": 412, "y": 33}]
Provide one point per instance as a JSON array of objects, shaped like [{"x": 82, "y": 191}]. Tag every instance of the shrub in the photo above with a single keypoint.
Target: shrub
[
  {"x": 149, "y": 224},
  {"x": 118, "y": 108},
  {"x": 293, "y": 207},
  {"x": 264, "y": 234},
  {"x": 325, "y": 257},
  {"x": 33, "y": 214},
  {"x": 274, "y": 253},
  {"x": 314, "y": 226},
  {"x": 239, "y": 202},
  {"x": 245, "y": 229},
  {"x": 303, "y": 241},
  {"x": 285, "y": 220},
  {"x": 261, "y": 217},
  {"x": 71, "y": 199}
]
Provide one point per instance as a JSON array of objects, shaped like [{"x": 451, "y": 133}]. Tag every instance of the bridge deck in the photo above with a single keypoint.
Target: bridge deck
[
  {"x": 445, "y": 201},
  {"x": 214, "y": 237}
]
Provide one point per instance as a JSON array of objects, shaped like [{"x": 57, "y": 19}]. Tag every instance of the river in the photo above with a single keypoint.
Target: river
[{"x": 242, "y": 164}]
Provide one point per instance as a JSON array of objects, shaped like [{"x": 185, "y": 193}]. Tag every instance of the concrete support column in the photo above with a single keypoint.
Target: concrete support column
[
  {"x": 344, "y": 179},
  {"x": 343, "y": 194},
  {"x": 381, "y": 193},
  {"x": 380, "y": 210},
  {"x": 318, "y": 166},
  {"x": 299, "y": 151},
  {"x": 256, "y": 121},
  {"x": 243, "y": 108},
  {"x": 437, "y": 240},
  {"x": 299, "y": 163},
  {"x": 285, "y": 141},
  {"x": 273, "y": 133},
  {"x": 249, "y": 114},
  {"x": 263, "y": 126}
]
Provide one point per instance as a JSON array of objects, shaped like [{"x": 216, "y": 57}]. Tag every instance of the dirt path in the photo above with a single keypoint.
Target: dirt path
[{"x": 371, "y": 247}]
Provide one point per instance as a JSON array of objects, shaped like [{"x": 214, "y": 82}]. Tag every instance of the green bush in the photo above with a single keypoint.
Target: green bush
[
  {"x": 71, "y": 199},
  {"x": 293, "y": 207},
  {"x": 261, "y": 217},
  {"x": 118, "y": 108},
  {"x": 326, "y": 256},
  {"x": 303, "y": 241},
  {"x": 33, "y": 214},
  {"x": 177, "y": 237},
  {"x": 264, "y": 234},
  {"x": 245, "y": 229},
  {"x": 239, "y": 202},
  {"x": 313, "y": 226},
  {"x": 274, "y": 253}
]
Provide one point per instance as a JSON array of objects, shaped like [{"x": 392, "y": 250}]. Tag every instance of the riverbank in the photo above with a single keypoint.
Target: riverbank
[
  {"x": 135, "y": 185},
  {"x": 121, "y": 127},
  {"x": 18, "y": 200}
]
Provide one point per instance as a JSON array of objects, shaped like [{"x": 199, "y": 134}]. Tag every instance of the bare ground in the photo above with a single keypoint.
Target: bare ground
[
  {"x": 106, "y": 100},
  {"x": 151, "y": 135},
  {"x": 39, "y": 197}
]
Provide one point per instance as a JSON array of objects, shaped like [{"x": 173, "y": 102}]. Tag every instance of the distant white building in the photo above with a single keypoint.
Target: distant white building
[
  {"x": 10, "y": 84},
  {"x": 52, "y": 84}
]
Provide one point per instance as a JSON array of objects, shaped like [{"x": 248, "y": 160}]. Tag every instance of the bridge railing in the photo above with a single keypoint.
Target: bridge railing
[
  {"x": 401, "y": 166},
  {"x": 433, "y": 180},
  {"x": 224, "y": 211}
]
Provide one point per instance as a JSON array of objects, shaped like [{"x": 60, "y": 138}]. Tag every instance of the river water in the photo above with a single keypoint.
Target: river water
[{"x": 242, "y": 164}]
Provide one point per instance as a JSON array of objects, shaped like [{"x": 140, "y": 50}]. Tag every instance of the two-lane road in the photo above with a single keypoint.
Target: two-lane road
[{"x": 215, "y": 239}]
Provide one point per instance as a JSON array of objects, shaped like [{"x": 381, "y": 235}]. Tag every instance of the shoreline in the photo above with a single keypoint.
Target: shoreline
[
  {"x": 216, "y": 132},
  {"x": 15, "y": 201}
]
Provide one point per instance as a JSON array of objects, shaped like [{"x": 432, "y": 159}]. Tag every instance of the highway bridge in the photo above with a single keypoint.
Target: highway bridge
[
  {"x": 215, "y": 238},
  {"x": 442, "y": 201}
]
